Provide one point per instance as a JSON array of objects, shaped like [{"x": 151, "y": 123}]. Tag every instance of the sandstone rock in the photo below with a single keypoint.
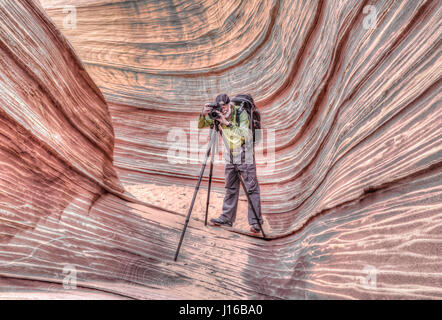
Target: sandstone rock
[{"x": 352, "y": 204}]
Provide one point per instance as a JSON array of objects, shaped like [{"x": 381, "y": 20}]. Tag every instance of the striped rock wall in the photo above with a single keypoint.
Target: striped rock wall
[{"x": 353, "y": 202}]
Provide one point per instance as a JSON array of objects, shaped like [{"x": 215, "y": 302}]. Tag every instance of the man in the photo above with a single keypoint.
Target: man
[{"x": 237, "y": 134}]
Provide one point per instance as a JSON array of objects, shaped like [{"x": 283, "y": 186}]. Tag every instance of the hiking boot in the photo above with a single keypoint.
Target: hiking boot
[
  {"x": 220, "y": 222},
  {"x": 255, "y": 228}
]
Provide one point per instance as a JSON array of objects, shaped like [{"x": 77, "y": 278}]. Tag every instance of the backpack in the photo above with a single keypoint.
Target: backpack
[{"x": 246, "y": 103}]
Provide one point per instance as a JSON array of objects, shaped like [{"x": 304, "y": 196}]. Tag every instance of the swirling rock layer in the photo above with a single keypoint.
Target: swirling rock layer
[{"x": 353, "y": 203}]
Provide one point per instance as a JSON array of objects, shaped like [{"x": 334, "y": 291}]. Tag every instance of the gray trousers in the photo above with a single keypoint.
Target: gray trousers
[{"x": 233, "y": 185}]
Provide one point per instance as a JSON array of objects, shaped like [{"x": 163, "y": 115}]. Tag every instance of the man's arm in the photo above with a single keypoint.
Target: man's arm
[{"x": 204, "y": 120}]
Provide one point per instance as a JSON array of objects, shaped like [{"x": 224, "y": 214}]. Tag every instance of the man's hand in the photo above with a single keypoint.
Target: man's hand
[
  {"x": 222, "y": 119},
  {"x": 206, "y": 110}
]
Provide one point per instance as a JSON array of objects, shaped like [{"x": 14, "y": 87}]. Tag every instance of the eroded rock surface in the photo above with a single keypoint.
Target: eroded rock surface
[{"x": 355, "y": 193}]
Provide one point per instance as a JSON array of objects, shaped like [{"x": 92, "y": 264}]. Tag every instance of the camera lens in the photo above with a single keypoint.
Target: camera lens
[{"x": 213, "y": 114}]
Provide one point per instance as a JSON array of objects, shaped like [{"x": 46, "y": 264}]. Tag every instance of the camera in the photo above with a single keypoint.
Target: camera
[{"x": 213, "y": 113}]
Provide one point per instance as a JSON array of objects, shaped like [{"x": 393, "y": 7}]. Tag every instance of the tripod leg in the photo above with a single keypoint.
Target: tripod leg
[
  {"x": 203, "y": 167},
  {"x": 210, "y": 178},
  {"x": 250, "y": 202}
]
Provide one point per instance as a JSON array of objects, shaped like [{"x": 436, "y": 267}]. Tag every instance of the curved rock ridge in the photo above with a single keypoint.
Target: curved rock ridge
[
  {"x": 56, "y": 134},
  {"x": 342, "y": 99},
  {"x": 353, "y": 205},
  {"x": 69, "y": 119}
]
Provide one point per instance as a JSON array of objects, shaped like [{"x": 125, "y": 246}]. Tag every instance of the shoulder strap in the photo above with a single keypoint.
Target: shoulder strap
[{"x": 238, "y": 113}]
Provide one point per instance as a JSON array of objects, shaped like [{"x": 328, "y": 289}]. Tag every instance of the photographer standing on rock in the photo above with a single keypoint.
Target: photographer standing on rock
[{"x": 234, "y": 124}]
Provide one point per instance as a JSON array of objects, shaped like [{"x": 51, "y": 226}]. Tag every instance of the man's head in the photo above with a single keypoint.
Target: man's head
[{"x": 224, "y": 101}]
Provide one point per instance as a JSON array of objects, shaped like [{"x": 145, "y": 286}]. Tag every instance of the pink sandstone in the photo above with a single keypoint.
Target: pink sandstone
[{"x": 86, "y": 112}]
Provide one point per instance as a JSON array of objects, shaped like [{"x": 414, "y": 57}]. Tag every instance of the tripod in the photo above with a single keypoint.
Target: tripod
[{"x": 212, "y": 145}]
